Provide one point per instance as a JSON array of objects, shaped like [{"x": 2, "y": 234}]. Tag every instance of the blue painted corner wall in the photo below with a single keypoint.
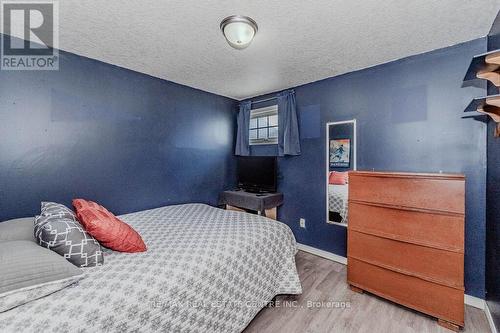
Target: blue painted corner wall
[
  {"x": 493, "y": 200},
  {"x": 408, "y": 119},
  {"x": 124, "y": 139}
]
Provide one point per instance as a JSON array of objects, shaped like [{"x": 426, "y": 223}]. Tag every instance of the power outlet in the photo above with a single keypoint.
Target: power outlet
[{"x": 302, "y": 223}]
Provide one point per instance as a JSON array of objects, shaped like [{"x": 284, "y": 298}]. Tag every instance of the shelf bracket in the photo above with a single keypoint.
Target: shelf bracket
[
  {"x": 492, "y": 76},
  {"x": 494, "y": 113},
  {"x": 491, "y": 111},
  {"x": 493, "y": 59}
]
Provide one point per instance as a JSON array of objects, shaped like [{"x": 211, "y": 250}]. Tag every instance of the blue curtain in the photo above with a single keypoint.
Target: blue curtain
[
  {"x": 288, "y": 125},
  {"x": 242, "y": 141}
]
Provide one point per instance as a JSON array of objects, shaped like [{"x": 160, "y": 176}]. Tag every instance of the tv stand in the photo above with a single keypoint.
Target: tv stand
[
  {"x": 253, "y": 191},
  {"x": 263, "y": 203}
]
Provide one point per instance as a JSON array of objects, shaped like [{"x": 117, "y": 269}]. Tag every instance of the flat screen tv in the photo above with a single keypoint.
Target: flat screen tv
[{"x": 257, "y": 173}]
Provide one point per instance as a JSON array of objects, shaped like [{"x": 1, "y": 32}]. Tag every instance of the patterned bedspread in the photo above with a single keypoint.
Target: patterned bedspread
[
  {"x": 338, "y": 200},
  {"x": 206, "y": 270}
]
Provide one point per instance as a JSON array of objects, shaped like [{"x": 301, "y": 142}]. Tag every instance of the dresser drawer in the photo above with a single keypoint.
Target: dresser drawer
[
  {"x": 432, "y": 193},
  {"x": 435, "y": 230},
  {"x": 439, "y": 266},
  {"x": 434, "y": 299}
]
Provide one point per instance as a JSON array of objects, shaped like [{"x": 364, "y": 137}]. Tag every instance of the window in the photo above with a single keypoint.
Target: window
[{"x": 264, "y": 126}]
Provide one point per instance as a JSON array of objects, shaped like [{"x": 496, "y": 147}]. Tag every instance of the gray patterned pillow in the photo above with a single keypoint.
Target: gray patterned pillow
[
  {"x": 55, "y": 209},
  {"x": 68, "y": 238}
]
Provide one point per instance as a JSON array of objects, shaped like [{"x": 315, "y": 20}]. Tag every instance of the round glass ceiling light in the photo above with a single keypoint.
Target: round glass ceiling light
[{"x": 238, "y": 30}]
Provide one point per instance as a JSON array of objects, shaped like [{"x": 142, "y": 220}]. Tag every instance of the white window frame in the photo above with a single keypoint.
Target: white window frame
[{"x": 263, "y": 112}]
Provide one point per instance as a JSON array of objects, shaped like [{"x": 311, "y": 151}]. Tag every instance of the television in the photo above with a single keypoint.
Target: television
[{"x": 257, "y": 173}]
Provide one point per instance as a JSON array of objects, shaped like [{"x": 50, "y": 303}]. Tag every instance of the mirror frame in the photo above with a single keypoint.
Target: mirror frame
[{"x": 327, "y": 149}]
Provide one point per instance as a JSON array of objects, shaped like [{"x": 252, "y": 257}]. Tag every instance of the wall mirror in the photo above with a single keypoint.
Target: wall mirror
[{"x": 340, "y": 159}]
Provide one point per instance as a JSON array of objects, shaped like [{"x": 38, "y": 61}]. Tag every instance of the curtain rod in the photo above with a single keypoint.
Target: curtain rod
[
  {"x": 268, "y": 99},
  {"x": 264, "y": 100}
]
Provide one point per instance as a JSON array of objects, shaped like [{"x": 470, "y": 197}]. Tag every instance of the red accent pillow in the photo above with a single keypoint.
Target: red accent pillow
[
  {"x": 110, "y": 231},
  {"x": 338, "y": 178}
]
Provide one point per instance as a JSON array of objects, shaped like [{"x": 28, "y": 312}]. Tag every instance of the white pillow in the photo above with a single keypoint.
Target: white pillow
[
  {"x": 17, "y": 229},
  {"x": 28, "y": 272}
]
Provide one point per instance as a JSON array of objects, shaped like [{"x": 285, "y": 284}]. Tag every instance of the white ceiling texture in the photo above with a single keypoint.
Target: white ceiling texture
[{"x": 298, "y": 41}]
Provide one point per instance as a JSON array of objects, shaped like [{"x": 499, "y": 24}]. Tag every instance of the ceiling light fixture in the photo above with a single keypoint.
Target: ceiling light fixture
[{"x": 238, "y": 30}]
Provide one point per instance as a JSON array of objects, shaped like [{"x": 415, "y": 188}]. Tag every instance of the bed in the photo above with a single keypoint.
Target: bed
[
  {"x": 338, "y": 200},
  {"x": 206, "y": 270}
]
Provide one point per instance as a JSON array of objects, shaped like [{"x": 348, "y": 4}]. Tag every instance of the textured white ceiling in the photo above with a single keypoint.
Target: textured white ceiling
[{"x": 298, "y": 41}]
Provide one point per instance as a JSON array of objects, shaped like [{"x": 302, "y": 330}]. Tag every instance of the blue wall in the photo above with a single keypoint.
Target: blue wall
[
  {"x": 121, "y": 138},
  {"x": 493, "y": 200},
  {"x": 408, "y": 119}
]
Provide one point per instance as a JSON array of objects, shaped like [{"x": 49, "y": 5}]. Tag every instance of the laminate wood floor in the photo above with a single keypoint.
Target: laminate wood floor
[{"x": 325, "y": 281}]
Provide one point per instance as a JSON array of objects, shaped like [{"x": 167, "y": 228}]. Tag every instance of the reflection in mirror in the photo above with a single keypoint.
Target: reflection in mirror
[{"x": 341, "y": 158}]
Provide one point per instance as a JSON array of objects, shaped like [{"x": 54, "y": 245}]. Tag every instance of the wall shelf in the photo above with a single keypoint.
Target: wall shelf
[
  {"x": 487, "y": 105},
  {"x": 485, "y": 66},
  {"x": 475, "y": 115}
]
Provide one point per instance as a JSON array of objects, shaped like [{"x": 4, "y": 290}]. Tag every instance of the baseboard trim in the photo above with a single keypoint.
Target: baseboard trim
[
  {"x": 475, "y": 302},
  {"x": 490, "y": 318},
  {"x": 468, "y": 299},
  {"x": 322, "y": 253}
]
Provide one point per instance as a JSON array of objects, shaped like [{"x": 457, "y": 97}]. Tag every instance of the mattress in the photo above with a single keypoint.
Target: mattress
[
  {"x": 338, "y": 200},
  {"x": 206, "y": 270}
]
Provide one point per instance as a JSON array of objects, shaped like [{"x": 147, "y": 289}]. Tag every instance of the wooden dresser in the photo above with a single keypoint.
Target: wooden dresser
[{"x": 406, "y": 240}]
